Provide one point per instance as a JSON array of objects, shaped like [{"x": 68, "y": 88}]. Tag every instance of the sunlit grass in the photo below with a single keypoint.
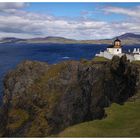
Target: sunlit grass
[
  {"x": 100, "y": 59},
  {"x": 121, "y": 121}
]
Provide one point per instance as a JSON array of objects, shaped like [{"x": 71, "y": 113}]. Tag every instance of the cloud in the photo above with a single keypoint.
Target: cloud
[
  {"x": 28, "y": 24},
  {"x": 132, "y": 12},
  {"x": 51, "y": 27},
  {"x": 46, "y": 25},
  {"x": 10, "y": 7}
]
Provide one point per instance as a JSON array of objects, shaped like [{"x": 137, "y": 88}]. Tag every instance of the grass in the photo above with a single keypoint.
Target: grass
[
  {"x": 95, "y": 59},
  {"x": 121, "y": 121},
  {"x": 98, "y": 59},
  {"x": 136, "y": 62}
]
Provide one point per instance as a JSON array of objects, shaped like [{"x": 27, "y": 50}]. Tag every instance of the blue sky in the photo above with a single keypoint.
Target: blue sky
[
  {"x": 72, "y": 20},
  {"x": 75, "y": 9},
  {"x": 62, "y": 8}
]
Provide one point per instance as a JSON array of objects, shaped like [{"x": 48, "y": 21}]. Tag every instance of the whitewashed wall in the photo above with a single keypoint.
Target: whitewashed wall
[{"x": 114, "y": 50}]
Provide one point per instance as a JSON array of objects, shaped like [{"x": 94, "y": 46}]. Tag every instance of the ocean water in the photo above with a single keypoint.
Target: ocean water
[{"x": 12, "y": 54}]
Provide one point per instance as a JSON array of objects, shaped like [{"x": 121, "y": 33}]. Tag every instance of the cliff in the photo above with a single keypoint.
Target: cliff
[{"x": 41, "y": 100}]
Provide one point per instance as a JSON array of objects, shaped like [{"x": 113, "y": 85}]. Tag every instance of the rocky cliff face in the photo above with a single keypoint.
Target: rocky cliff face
[{"x": 41, "y": 99}]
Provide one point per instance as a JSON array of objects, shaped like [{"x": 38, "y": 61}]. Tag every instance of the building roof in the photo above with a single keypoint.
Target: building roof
[
  {"x": 111, "y": 46},
  {"x": 117, "y": 40}
]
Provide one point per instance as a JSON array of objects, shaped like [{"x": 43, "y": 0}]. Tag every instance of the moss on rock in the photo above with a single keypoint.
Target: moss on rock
[{"x": 17, "y": 118}]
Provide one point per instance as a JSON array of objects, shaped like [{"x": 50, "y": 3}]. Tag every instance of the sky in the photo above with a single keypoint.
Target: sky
[{"x": 81, "y": 21}]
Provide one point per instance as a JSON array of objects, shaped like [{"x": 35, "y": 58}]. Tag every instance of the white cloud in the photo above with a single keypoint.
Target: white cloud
[
  {"x": 133, "y": 12},
  {"x": 11, "y": 7},
  {"x": 27, "y": 24},
  {"x": 37, "y": 25}
]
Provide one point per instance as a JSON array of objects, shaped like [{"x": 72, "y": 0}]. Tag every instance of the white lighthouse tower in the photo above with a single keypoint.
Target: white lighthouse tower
[{"x": 116, "y": 48}]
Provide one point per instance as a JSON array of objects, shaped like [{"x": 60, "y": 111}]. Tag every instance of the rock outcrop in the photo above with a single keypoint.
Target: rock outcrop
[{"x": 41, "y": 100}]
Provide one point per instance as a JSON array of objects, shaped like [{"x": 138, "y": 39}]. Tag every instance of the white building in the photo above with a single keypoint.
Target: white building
[{"x": 116, "y": 49}]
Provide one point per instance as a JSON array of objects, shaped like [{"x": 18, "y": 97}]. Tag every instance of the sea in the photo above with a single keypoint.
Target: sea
[{"x": 12, "y": 54}]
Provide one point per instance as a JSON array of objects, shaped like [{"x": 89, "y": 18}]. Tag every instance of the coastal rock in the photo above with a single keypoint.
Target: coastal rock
[{"x": 41, "y": 100}]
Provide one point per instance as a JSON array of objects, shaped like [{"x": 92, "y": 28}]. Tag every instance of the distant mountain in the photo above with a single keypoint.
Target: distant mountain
[
  {"x": 51, "y": 39},
  {"x": 129, "y": 35},
  {"x": 128, "y": 38},
  {"x": 11, "y": 40}
]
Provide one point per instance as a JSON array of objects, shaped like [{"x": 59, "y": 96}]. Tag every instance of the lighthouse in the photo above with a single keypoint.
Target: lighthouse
[{"x": 116, "y": 48}]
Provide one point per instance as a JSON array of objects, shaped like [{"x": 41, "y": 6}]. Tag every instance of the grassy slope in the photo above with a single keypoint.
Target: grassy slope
[
  {"x": 137, "y": 62},
  {"x": 98, "y": 59},
  {"x": 121, "y": 121}
]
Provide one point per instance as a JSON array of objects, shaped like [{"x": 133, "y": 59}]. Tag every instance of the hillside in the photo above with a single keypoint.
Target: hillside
[
  {"x": 121, "y": 121},
  {"x": 41, "y": 100},
  {"x": 127, "y": 39},
  {"x": 51, "y": 39},
  {"x": 129, "y": 35}
]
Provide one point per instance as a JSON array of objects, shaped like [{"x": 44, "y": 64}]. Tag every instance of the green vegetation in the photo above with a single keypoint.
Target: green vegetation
[
  {"x": 54, "y": 71},
  {"x": 85, "y": 61},
  {"x": 44, "y": 101},
  {"x": 18, "y": 117},
  {"x": 98, "y": 59},
  {"x": 136, "y": 62},
  {"x": 95, "y": 59},
  {"x": 39, "y": 126},
  {"x": 41, "y": 89},
  {"x": 121, "y": 121}
]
